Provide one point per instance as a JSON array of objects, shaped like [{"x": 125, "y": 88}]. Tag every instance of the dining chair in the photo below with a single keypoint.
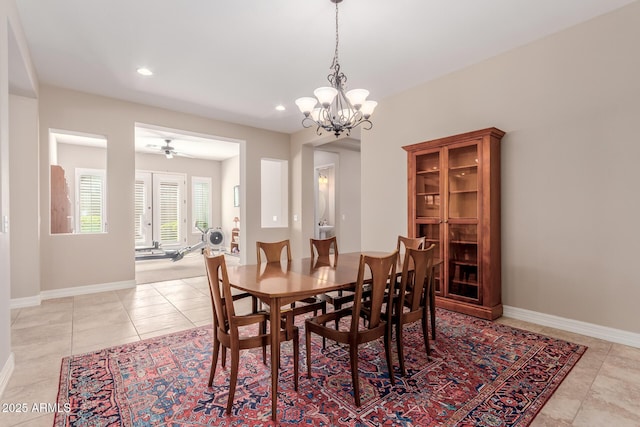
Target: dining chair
[
  {"x": 230, "y": 330},
  {"x": 320, "y": 250},
  {"x": 273, "y": 254},
  {"x": 383, "y": 272},
  {"x": 273, "y": 250},
  {"x": 405, "y": 243},
  {"x": 412, "y": 300}
]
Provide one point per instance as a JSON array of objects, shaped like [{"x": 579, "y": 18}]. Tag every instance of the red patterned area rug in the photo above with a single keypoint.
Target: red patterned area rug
[{"x": 481, "y": 374}]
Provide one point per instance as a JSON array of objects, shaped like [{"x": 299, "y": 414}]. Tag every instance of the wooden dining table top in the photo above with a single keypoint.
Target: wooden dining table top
[{"x": 298, "y": 278}]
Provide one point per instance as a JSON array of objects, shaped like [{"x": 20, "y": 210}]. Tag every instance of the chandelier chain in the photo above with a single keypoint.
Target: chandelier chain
[{"x": 335, "y": 55}]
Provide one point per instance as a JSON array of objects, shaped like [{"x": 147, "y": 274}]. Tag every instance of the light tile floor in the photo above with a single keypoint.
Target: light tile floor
[{"x": 602, "y": 390}]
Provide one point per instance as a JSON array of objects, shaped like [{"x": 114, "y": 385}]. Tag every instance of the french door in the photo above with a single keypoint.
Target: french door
[{"x": 160, "y": 209}]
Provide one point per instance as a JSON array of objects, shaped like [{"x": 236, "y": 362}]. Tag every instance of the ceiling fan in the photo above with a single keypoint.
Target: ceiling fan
[{"x": 167, "y": 149}]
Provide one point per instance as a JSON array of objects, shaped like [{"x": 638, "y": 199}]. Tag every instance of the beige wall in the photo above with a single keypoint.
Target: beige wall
[
  {"x": 229, "y": 177},
  {"x": 75, "y": 260},
  {"x": 570, "y": 205},
  {"x": 25, "y": 214}
]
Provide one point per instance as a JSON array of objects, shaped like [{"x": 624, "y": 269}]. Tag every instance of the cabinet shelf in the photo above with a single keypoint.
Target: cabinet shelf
[
  {"x": 457, "y": 168},
  {"x": 467, "y": 212},
  {"x": 462, "y": 191}
]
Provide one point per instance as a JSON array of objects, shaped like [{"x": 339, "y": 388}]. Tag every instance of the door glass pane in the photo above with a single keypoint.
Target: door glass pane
[
  {"x": 463, "y": 261},
  {"x": 463, "y": 182},
  {"x": 169, "y": 212},
  {"x": 428, "y": 185},
  {"x": 431, "y": 233}
]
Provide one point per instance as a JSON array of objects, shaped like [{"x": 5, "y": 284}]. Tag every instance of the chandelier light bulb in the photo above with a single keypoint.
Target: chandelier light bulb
[
  {"x": 315, "y": 114},
  {"x": 325, "y": 95},
  {"x": 306, "y": 104},
  {"x": 367, "y": 108},
  {"x": 357, "y": 97}
]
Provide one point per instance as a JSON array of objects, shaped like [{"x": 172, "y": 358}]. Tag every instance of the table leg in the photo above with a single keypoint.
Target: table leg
[
  {"x": 275, "y": 354},
  {"x": 432, "y": 305}
]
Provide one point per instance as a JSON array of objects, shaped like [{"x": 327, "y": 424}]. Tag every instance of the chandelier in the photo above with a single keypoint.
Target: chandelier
[{"x": 338, "y": 111}]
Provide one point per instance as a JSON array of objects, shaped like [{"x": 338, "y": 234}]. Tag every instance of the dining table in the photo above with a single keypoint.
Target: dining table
[{"x": 280, "y": 284}]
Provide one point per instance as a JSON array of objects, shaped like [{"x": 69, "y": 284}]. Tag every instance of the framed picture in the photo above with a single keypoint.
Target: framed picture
[{"x": 236, "y": 195}]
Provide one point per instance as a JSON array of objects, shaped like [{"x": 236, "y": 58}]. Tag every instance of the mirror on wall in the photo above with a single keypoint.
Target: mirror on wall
[{"x": 78, "y": 177}]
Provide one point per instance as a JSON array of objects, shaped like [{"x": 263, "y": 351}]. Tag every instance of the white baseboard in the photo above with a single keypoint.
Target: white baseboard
[
  {"x": 5, "y": 373},
  {"x": 592, "y": 330},
  {"x": 25, "y": 302},
  {"x": 88, "y": 289},
  {"x": 70, "y": 292}
]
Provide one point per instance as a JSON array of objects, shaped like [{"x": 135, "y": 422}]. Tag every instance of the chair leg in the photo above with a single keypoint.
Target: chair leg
[
  {"x": 263, "y": 331},
  {"x": 387, "y": 353},
  {"x": 307, "y": 334},
  {"x": 432, "y": 309},
  {"x": 400, "y": 346},
  {"x": 235, "y": 364},
  {"x": 224, "y": 357},
  {"x": 214, "y": 360},
  {"x": 425, "y": 332},
  {"x": 324, "y": 339},
  {"x": 353, "y": 356},
  {"x": 296, "y": 359}
]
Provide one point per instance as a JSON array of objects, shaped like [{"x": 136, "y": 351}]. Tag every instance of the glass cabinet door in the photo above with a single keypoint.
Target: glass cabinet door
[
  {"x": 431, "y": 233},
  {"x": 463, "y": 261},
  {"x": 462, "y": 229},
  {"x": 428, "y": 185},
  {"x": 463, "y": 182}
]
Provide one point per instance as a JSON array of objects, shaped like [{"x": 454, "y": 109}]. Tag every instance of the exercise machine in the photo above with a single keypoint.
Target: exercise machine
[{"x": 211, "y": 237}]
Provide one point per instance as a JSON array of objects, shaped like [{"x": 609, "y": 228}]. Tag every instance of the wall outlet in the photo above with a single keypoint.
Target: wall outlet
[
  {"x": 295, "y": 217},
  {"x": 275, "y": 218}
]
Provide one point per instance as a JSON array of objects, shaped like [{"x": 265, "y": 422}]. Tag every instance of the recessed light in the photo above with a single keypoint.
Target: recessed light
[
  {"x": 143, "y": 71},
  {"x": 280, "y": 107}
]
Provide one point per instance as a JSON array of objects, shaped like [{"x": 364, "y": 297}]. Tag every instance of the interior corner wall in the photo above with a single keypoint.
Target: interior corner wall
[
  {"x": 69, "y": 261},
  {"x": 5, "y": 266},
  {"x": 229, "y": 177},
  {"x": 24, "y": 197},
  {"x": 348, "y": 201},
  {"x": 302, "y": 205},
  {"x": 569, "y": 106}
]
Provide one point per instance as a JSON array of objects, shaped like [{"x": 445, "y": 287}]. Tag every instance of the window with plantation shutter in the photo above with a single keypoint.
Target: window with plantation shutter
[
  {"x": 90, "y": 200},
  {"x": 169, "y": 212},
  {"x": 142, "y": 210},
  {"x": 201, "y": 203},
  {"x": 169, "y": 209}
]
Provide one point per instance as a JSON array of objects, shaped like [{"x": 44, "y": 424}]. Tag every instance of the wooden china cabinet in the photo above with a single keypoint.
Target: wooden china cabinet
[{"x": 454, "y": 202}]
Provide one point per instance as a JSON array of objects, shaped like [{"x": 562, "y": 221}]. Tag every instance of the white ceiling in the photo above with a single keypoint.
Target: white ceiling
[{"x": 237, "y": 60}]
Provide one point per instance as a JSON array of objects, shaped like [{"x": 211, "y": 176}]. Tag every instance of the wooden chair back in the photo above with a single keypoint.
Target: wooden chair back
[
  {"x": 220, "y": 291},
  {"x": 405, "y": 243},
  {"x": 415, "y": 279},
  {"x": 323, "y": 247},
  {"x": 273, "y": 250},
  {"x": 383, "y": 273}
]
